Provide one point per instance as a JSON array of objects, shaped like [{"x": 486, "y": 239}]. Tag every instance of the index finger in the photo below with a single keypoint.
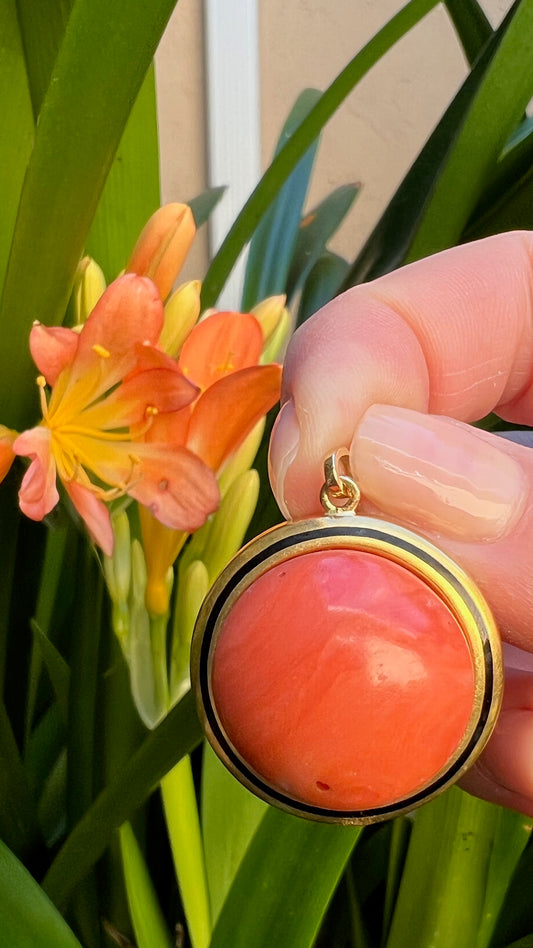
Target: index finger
[{"x": 451, "y": 334}]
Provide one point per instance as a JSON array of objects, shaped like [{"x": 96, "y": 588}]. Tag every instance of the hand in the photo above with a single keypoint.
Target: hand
[{"x": 395, "y": 369}]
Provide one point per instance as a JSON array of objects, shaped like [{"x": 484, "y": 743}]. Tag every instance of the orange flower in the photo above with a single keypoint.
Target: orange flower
[
  {"x": 220, "y": 357},
  {"x": 163, "y": 246},
  {"x": 109, "y": 383},
  {"x": 7, "y": 455}
]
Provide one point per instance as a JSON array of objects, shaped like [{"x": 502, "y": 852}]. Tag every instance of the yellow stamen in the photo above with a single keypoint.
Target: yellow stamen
[
  {"x": 77, "y": 473},
  {"x": 41, "y": 382},
  {"x": 99, "y": 434},
  {"x": 228, "y": 365},
  {"x": 101, "y": 350}
]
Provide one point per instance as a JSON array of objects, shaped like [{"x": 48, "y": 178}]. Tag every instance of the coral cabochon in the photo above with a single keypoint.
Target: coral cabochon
[{"x": 346, "y": 669}]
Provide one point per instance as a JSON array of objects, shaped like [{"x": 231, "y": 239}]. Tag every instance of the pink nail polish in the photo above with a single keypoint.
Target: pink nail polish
[{"x": 437, "y": 472}]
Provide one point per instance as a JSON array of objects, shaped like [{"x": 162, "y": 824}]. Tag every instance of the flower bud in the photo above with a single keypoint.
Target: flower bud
[
  {"x": 268, "y": 313},
  {"x": 243, "y": 458},
  {"x": 163, "y": 246},
  {"x": 117, "y": 568},
  {"x": 138, "y": 575},
  {"x": 192, "y": 589},
  {"x": 7, "y": 455},
  {"x": 275, "y": 345},
  {"x": 89, "y": 285},
  {"x": 231, "y": 522},
  {"x": 181, "y": 314}
]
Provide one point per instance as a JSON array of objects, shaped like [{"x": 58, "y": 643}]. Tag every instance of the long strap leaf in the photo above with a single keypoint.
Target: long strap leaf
[
  {"x": 472, "y": 25},
  {"x": 18, "y": 820},
  {"x": 496, "y": 110},
  {"x": 81, "y": 121},
  {"x": 42, "y": 27},
  {"x": 16, "y": 127},
  {"x": 27, "y": 917},
  {"x": 299, "y": 865},
  {"x": 176, "y": 736},
  {"x": 389, "y": 242},
  {"x": 287, "y": 159}
]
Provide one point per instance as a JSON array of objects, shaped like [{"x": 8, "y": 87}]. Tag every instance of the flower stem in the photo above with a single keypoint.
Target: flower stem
[
  {"x": 183, "y": 825},
  {"x": 158, "y": 639}
]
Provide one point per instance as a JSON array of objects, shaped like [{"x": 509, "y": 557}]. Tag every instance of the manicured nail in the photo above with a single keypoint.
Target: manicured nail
[
  {"x": 438, "y": 473},
  {"x": 283, "y": 449}
]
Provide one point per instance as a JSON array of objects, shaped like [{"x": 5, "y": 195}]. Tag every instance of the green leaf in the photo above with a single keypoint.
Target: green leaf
[
  {"x": 203, "y": 205},
  {"x": 315, "y": 230},
  {"x": 388, "y": 244},
  {"x": 84, "y": 684},
  {"x": 52, "y": 804},
  {"x": 322, "y": 284},
  {"x": 131, "y": 193},
  {"x": 471, "y": 24},
  {"x": 274, "y": 241},
  {"x": 515, "y": 919},
  {"x": 145, "y": 912},
  {"x": 42, "y": 26},
  {"x": 514, "y": 162},
  {"x": 56, "y": 666},
  {"x": 512, "y": 833},
  {"x": 18, "y": 820},
  {"x": 357, "y": 925},
  {"x": 176, "y": 736},
  {"x": 27, "y": 917},
  {"x": 400, "y": 834},
  {"x": 230, "y": 817},
  {"x": 16, "y": 130},
  {"x": 44, "y": 746},
  {"x": 49, "y": 585},
  {"x": 80, "y": 125},
  {"x": 513, "y": 211},
  {"x": 284, "y": 883},
  {"x": 10, "y": 519},
  {"x": 449, "y": 855},
  {"x": 496, "y": 109},
  {"x": 183, "y": 828},
  {"x": 278, "y": 172}
]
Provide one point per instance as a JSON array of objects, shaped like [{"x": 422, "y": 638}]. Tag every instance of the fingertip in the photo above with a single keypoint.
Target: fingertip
[
  {"x": 283, "y": 449},
  {"x": 504, "y": 772}
]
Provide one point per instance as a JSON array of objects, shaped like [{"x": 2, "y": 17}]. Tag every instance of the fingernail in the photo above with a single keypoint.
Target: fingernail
[
  {"x": 283, "y": 449},
  {"x": 437, "y": 472}
]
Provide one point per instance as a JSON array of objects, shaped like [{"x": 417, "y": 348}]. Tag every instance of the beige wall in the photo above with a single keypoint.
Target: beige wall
[{"x": 373, "y": 137}]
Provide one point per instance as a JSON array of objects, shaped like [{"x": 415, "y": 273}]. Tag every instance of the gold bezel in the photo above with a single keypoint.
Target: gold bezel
[{"x": 343, "y": 530}]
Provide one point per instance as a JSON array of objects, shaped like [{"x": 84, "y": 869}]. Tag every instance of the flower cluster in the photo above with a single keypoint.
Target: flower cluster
[
  {"x": 141, "y": 399},
  {"x": 146, "y": 400}
]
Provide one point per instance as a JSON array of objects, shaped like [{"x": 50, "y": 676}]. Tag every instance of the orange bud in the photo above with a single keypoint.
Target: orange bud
[
  {"x": 7, "y": 455},
  {"x": 163, "y": 246}
]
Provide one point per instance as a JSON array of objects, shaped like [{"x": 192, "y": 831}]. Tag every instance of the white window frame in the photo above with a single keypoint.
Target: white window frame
[{"x": 233, "y": 119}]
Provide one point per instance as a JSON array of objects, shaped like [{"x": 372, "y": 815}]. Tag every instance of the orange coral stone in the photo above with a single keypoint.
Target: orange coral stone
[{"x": 343, "y": 680}]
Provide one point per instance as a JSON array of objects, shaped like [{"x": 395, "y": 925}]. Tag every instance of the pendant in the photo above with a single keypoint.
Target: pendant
[{"x": 346, "y": 669}]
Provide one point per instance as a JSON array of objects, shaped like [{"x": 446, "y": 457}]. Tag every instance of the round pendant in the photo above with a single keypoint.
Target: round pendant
[{"x": 345, "y": 668}]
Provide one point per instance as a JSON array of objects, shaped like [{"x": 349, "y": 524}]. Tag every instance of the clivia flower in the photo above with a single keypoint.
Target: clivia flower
[
  {"x": 121, "y": 415},
  {"x": 220, "y": 356},
  {"x": 109, "y": 382}
]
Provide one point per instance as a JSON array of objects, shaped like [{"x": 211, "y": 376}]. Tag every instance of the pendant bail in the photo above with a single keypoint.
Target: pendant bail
[{"x": 340, "y": 493}]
